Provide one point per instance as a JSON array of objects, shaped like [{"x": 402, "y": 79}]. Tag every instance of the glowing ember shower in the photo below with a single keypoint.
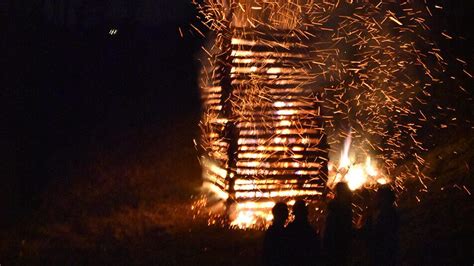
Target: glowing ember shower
[
  {"x": 271, "y": 65},
  {"x": 262, "y": 125}
]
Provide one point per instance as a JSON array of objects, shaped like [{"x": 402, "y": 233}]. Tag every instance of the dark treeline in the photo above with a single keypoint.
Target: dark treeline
[
  {"x": 72, "y": 89},
  {"x": 90, "y": 13}
]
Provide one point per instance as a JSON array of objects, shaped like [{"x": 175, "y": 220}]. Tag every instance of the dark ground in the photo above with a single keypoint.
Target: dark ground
[{"x": 98, "y": 165}]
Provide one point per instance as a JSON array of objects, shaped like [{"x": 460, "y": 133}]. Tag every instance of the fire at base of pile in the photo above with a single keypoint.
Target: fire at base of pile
[
  {"x": 243, "y": 215},
  {"x": 256, "y": 212}
]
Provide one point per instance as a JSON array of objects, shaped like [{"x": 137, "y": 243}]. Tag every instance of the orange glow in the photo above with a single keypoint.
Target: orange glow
[
  {"x": 357, "y": 175},
  {"x": 252, "y": 214},
  {"x": 282, "y": 84}
]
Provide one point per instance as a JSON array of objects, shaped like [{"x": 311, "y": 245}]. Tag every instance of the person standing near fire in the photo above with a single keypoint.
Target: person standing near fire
[
  {"x": 275, "y": 242},
  {"x": 338, "y": 228},
  {"x": 304, "y": 242},
  {"x": 381, "y": 229}
]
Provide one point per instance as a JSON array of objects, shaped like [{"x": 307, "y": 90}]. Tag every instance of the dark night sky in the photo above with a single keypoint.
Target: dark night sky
[
  {"x": 92, "y": 13},
  {"x": 70, "y": 88}
]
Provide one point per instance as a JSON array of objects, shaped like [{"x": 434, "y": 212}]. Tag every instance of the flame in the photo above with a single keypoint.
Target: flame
[
  {"x": 244, "y": 214},
  {"x": 369, "y": 168},
  {"x": 357, "y": 175},
  {"x": 345, "y": 161},
  {"x": 252, "y": 214}
]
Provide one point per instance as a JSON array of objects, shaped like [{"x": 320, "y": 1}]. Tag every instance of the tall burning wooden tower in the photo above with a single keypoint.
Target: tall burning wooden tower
[{"x": 262, "y": 126}]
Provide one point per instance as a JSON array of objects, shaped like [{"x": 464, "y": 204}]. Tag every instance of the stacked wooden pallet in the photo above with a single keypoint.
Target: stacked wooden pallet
[{"x": 263, "y": 127}]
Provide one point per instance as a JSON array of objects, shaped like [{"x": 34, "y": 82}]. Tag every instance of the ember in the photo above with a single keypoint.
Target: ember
[{"x": 284, "y": 81}]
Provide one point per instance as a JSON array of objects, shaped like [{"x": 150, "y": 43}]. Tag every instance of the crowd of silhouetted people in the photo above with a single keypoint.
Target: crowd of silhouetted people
[{"x": 298, "y": 243}]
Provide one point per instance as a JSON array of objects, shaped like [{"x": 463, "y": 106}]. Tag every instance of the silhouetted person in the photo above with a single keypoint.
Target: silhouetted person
[
  {"x": 338, "y": 229},
  {"x": 304, "y": 243},
  {"x": 382, "y": 228},
  {"x": 275, "y": 243}
]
